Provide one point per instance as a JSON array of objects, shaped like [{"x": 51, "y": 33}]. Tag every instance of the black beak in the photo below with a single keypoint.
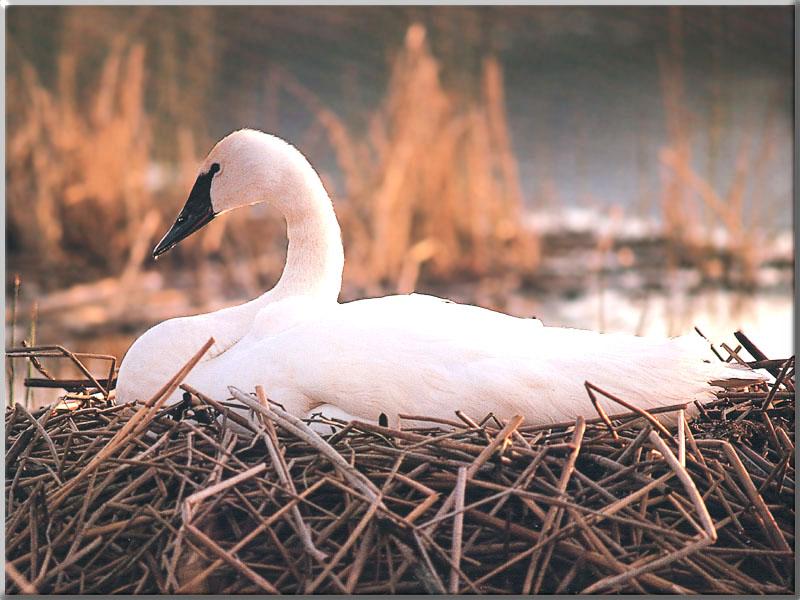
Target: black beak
[{"x": 196, "y": 213}]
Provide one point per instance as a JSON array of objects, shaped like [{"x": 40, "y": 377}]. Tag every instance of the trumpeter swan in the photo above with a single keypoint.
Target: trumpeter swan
[{"x": 396, "y": 354}]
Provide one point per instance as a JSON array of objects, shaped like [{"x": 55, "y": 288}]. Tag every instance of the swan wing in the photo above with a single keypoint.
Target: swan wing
[{"x": 418, "y": 354}]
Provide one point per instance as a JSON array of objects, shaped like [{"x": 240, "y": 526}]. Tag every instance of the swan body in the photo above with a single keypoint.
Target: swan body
[
  {"x": 391, "y": 355},
  {"x": 422, "y": 355}
]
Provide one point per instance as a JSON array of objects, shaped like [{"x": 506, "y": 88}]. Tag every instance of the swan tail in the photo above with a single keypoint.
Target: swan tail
[
  {"x": 747, "y": 378},
  {"x": 721, "y": 374}
]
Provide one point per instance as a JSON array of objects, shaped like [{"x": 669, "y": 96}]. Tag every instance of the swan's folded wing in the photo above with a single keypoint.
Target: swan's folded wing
[{"x": 425, "y": 356}]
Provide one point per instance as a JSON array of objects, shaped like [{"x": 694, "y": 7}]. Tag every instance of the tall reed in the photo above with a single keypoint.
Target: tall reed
[
  {"x": 433, "y": 184},
  {"x": 77, "y": 170}
]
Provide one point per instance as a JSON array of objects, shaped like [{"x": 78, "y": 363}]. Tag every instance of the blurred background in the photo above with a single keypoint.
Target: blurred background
[{"x": 613, "y": 168}]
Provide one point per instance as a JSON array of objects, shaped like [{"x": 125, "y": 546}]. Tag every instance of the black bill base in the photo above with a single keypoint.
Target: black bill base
[{"x": 196, "y": 213}]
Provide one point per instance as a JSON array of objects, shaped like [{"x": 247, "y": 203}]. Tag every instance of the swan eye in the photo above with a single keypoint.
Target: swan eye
[{"x": 215, "y": 168}]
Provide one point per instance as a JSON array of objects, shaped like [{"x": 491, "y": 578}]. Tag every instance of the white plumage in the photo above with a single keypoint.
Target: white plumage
[{"x": 398, "y": 354}]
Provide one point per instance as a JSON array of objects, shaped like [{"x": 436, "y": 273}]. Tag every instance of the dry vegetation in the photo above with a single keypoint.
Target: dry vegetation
[
  {"x": 82, "y": 202},
  {"x": 77, "y": 170},
  {"x": 458, "y": 207},
  {"x": 81, "y": 182},
  {"x": 432, "y": 182},
  {"x": 196, "y": 498},
  {"x": 692, "y": 207}
]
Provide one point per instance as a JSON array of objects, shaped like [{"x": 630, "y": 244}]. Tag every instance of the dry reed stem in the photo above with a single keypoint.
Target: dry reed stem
[
  {"x": 600, "y": 411},
  {"x": 656, "y": 423},
  {"x": 25, "y": 586},
  {"x": 767, "y": 518},
  {"x": 458, "y": 527},
  {"x": 688, "y": 484},
  {"x": 271, "y": 440},
  {"x": 300, "y": 429},
  {"x": 140, "y": 420},
  {"x": 554, "y": 513},
  {"x": 262, "y": 583}
]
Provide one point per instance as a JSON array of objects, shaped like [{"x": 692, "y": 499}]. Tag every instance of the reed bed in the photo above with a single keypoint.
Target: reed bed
[
  {"x": 197, "y": 497},
  {"x": 693, "y": 205},
  {"x": 78, "y": 159},
  {"x": 432, "y": 185}
]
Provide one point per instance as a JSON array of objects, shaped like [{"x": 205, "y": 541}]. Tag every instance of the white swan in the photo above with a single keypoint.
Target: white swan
[{"x": 398, "y": 354}]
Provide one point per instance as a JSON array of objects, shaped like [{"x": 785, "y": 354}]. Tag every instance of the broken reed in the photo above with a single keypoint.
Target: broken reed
[{"x": 199, "y": 498}]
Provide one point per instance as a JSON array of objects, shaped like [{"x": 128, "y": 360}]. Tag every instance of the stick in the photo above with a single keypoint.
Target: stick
[
  {"x": 305, "y": 433},
  {"x": 139, "y": 420},
  {"x": 458, "y": 527},
  {"x": 640, "y": 411},
  {"x": 271, "y": 440},
  {"x": 691, "y": 489}
]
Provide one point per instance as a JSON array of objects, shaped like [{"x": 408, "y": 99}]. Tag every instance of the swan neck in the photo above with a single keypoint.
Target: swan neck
[{"x": 314, "y": 257}]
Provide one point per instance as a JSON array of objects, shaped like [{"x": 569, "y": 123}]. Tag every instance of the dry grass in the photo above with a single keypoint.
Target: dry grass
[
  {"x": 78, "y": 165},
  {"x": 86, "y": 196},
  {"x": 432, "y": 182}
]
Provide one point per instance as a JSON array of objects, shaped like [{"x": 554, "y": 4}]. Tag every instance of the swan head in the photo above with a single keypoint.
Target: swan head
[{"x": 246, "y": 167}]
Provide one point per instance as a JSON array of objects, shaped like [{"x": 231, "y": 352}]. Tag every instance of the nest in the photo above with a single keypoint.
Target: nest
[{"x": 195, "y": 498}]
